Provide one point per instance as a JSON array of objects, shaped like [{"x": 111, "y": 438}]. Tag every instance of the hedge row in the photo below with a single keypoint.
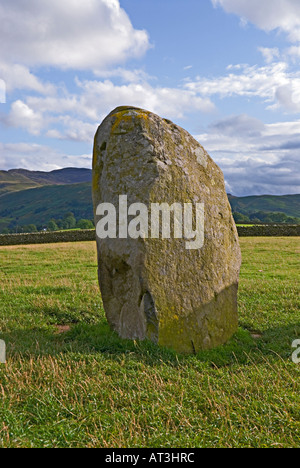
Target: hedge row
[
  {"x": 282, "y": 230},
  {"x": 90, "y": 235},
  {"x": 48, "y": 237}
]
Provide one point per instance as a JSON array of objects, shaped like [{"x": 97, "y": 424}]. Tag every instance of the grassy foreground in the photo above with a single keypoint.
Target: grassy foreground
[{"x": 71, "y": 382}]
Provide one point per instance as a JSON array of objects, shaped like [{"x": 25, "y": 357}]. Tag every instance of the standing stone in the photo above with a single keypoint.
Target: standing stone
[{"x": 157, "y": 288}]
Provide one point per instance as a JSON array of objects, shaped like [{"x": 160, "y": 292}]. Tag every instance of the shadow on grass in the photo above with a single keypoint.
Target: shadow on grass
[
  {"x": 63, "y": 315},
  {"x": 45, "y": 290},
  {"x": 85, "y": 340}
]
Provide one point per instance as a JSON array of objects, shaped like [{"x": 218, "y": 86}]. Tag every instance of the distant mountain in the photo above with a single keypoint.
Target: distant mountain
[
  {"x": 20, "y": 179},
  {"x": 287, "y": 204}
]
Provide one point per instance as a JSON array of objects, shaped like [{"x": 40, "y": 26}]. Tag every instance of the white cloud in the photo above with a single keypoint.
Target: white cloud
[
  {"x": 256, "y": 158},
  {"x": 288, "y": 96},
  {"x": 241, "y": 125},
  {"x": 269, "y": 54},
  {"x": 38, "y": 157},
  {"x": 76, "y": 116},
  {"x": 97, "y": 36},
  {"x": 273, "y": 83},
  {"x": 2, "y": 92},
  {"x": 56, "y": 105},
  {"x": 170, "y": 102},
  {"x": 22, "y": 116},
  {"x": 267, "y": 15},
  {"x": 68, "y": 34},
  {"x": 20, "y": 77},
  {"x": 128, "y": 76},
  {"x": 251, "y": 81},
  {"x": 294, "y": 51},
  {"x": 74, "y": 130}
]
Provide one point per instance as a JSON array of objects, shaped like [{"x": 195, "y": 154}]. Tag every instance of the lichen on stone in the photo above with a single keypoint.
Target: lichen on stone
[{"x": 155, "y": 288}]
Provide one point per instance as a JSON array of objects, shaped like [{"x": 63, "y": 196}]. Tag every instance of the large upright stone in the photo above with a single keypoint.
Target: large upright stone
[{"x": 157, "y": 288}]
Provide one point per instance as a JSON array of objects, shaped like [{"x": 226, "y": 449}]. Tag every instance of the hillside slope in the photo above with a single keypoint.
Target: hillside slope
[
  {"x": 35, "y": 197},
  {"x": 21, "y": 179},
  {"x": 287, "y": 204},
  {"x": 39, "y": 205}
]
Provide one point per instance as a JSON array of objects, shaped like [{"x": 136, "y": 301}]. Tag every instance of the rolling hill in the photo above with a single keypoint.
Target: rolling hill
[
  {"x": 287, "y": 204},
  {"x": 39, "y": 205},
  {"x": 20, "y": 179},
  {"x": 29, "y": 197}
]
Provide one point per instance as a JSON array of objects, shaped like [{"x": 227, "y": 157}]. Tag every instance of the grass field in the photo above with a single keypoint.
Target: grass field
[{"x": 71, "y": 382}]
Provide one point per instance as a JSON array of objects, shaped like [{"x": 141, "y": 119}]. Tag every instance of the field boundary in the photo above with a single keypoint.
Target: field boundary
[
  {"x": 90, "y": 235},
  {"x": 48, "y": 237},
  {"x": 283, "y": 230}
]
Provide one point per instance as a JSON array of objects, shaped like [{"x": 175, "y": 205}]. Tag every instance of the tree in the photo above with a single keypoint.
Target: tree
[
  {"x": 291, "y": 220},
  {"x": 279, "y": 217},
  {"x": 85, "y": 224},
  {"x": 256, "y": 221},
  {"x": 52, "y": 226},
  {"x": 70, "y": 221},
  {"x": 30, "y": 228},
  {"x": 240, "y": 218}
]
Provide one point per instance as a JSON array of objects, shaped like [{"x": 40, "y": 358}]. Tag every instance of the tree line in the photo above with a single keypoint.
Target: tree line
[
  {"x": 66, "y": 223},
  {"x": 69, "y": 222},
  {"x": 264, "y": 217}
]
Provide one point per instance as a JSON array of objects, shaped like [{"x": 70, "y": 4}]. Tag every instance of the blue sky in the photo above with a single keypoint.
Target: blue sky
[{"x": 226, "y": 70}]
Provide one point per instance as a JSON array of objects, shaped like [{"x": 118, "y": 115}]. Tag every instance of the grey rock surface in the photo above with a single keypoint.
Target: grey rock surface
[{"x": 181, "y": 298}]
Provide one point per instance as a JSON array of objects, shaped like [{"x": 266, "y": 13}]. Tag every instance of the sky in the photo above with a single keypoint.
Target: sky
[{"x": 225, "y": 70}]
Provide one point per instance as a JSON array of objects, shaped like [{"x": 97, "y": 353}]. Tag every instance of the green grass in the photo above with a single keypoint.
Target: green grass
[{"x": 87, "y": 388}]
